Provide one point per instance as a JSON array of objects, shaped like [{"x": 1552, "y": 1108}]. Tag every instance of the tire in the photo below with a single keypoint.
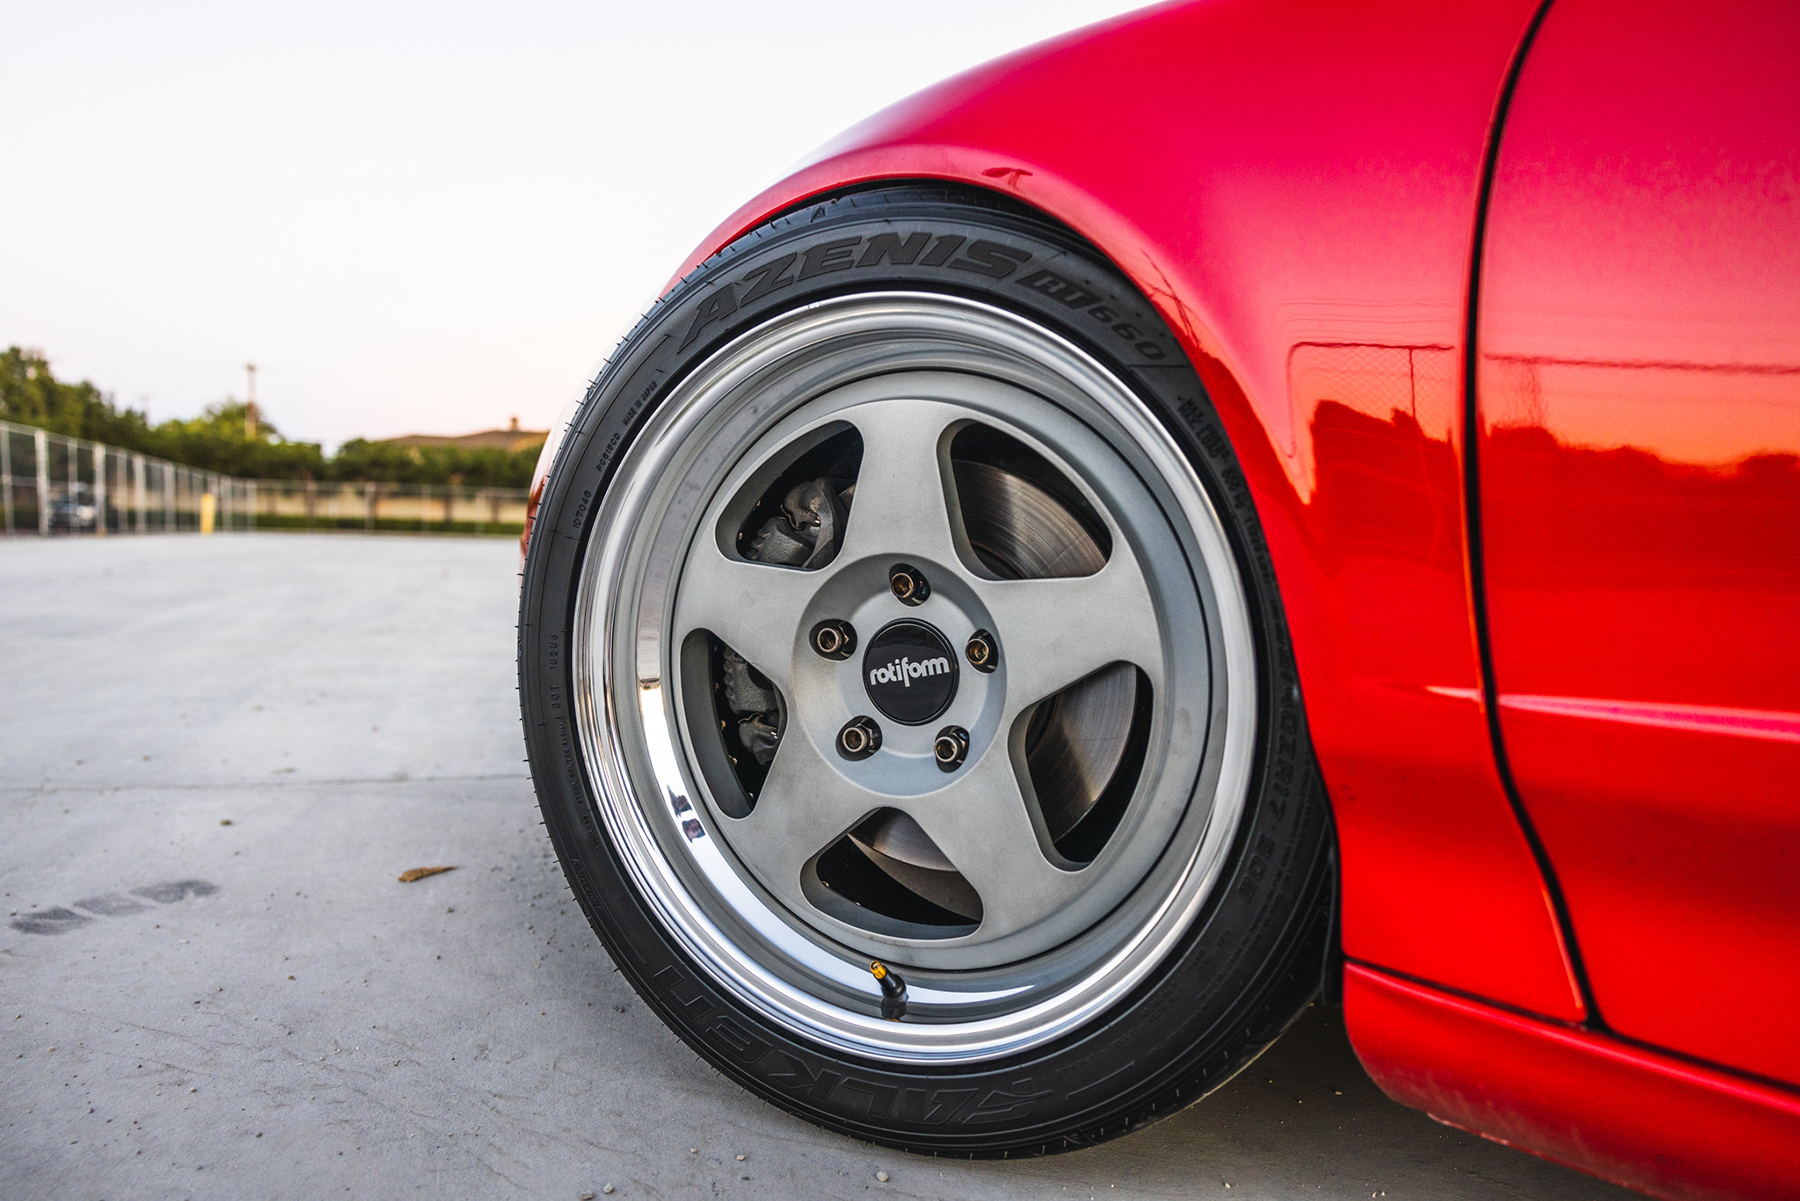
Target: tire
[{"x": 1030, "y": 449}]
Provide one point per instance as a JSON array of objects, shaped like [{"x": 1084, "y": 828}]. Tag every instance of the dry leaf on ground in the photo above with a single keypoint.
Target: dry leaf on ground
[{"x": 419, "y": 873}]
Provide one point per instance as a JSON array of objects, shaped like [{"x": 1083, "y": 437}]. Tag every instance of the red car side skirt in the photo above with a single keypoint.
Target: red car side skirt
[{"x": 1618, "y": 1111}]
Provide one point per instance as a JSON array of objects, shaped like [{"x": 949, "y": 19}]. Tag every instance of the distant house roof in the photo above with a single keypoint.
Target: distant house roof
[{"x": 510, "y": 439}]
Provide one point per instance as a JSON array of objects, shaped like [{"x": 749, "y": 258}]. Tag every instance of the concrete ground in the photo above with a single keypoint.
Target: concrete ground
[{"x": 217, "y": 754}]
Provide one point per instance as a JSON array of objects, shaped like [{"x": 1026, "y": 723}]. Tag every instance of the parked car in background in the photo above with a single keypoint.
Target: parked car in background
[
  {"x": 1248, "y": 498},
  {"x": 74, "y": 508}
]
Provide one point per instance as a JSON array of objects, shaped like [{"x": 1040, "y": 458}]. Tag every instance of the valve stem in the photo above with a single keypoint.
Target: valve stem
[{"x": 893, "y": 990}]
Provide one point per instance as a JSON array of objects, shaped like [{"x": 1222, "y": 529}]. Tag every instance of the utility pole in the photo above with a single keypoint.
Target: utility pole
[{"x": 250, "y": 406}]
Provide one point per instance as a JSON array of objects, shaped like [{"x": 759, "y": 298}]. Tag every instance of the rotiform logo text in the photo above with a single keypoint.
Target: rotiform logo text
[
  {"x": 911, "y": 671},
  {"x": 904, "y": 671}
]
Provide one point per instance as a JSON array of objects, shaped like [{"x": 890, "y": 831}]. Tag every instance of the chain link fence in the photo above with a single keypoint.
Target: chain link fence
[{"x": 54, "y": 484}]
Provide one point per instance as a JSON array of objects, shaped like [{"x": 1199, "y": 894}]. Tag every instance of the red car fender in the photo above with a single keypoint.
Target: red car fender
[{"x": 1295, "y": 186}]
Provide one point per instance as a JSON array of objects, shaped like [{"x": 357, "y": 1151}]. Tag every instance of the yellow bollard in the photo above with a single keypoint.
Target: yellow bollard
[{"x": 209, "y": 505}]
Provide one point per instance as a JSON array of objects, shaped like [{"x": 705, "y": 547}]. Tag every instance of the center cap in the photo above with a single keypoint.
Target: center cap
[{"x": 910, "y": 672}]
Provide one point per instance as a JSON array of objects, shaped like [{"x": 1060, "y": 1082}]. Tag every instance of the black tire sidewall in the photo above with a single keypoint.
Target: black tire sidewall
[{"x": 1247, "y": 965}]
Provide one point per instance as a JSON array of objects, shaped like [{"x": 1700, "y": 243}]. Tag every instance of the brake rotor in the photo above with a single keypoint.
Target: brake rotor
[{"x": 899, "y": 846}]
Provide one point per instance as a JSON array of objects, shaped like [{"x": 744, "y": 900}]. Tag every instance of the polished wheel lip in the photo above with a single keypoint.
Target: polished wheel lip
[{"x": 853, "y": 1023}]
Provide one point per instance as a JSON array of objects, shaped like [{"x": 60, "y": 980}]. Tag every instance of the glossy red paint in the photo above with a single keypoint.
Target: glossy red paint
[
  {"x": 1619, "y": 1111},
  {"x": 1295, "y": 186},
  {"x": 1640, "y": 475}
]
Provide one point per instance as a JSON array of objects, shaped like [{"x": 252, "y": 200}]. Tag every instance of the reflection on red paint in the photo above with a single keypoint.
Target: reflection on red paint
[
  {"x": 1373, "y": 454},
  {"x": 1698, "y": 719},
  {"x": 1413, "y": 387},
  {"x": 1715, "y": 415},
  {"x": 1617, "y": 573}
]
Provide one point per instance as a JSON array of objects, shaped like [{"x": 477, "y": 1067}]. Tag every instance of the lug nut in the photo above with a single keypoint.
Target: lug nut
[
  {"x": 859, "y": 738},
  {"x": 981, "y": 652},
  {"x": 950, "y": 748},
  {"x": 834, "y": 639},
  {"x": 909, "y": 584}
]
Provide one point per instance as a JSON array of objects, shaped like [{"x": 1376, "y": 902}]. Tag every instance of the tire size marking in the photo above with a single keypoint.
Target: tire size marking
[
  {"x": 581, "y": 508},
  {"x": 1255, "y": 869}
]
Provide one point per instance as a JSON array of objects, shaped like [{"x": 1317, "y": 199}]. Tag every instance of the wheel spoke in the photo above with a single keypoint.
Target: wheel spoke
[
  {"x": 901, "y": 504},
  {"x": 1054, "y": 632},
  {"x": 983, "y": 826},
  {"x": 754, "y": 608},
  {"x": 804, "y": 805}
]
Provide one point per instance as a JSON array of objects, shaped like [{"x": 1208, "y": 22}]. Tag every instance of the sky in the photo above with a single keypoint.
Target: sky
[{"x": 411, "y": 217}]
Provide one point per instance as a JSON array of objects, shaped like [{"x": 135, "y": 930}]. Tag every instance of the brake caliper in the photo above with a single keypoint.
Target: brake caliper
[{"x": 804, "y": 534}]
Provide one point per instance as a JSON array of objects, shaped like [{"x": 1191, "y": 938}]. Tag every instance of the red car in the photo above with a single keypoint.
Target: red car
[{"x": 1249, "y": 497}]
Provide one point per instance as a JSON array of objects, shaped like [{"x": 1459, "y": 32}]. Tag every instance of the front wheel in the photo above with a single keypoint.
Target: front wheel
[{"x": 902, "y": 694}]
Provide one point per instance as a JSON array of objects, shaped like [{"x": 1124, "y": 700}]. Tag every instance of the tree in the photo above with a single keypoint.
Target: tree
[
  {"x": 215, "y": 440},
  {"x": 31, "y": 395}
]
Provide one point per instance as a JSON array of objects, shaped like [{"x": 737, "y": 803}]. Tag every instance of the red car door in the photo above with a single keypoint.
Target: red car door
[{"x": 1638, "y": 334}]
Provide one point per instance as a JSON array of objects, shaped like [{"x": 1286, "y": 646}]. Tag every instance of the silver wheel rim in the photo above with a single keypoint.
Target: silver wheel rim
[{"x": 1057, "y": 943}]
